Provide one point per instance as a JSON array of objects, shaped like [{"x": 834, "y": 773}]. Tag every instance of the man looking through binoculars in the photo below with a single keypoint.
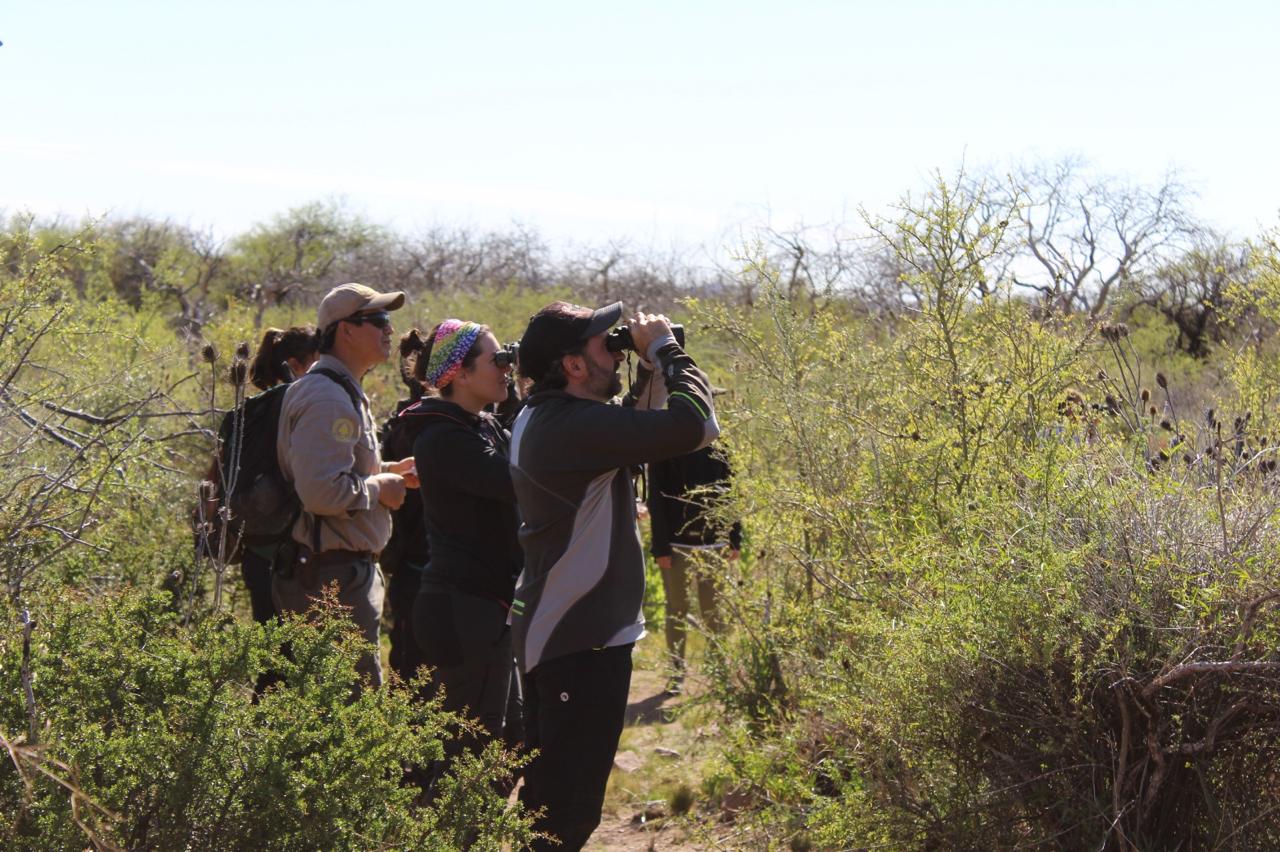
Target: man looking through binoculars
[{"x": 577, "y": 612}]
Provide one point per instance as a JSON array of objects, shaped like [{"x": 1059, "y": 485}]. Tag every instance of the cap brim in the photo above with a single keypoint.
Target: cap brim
[
  {"x": 385, "y": 302},
  {"x": 603, "y": 319}
]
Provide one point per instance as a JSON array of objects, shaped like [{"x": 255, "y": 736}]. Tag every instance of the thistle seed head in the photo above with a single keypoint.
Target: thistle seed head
[
  {"x": 208, "y": 491},
  {"x": 1113, "y": 331},
  {"x": 209, "y": 353}
]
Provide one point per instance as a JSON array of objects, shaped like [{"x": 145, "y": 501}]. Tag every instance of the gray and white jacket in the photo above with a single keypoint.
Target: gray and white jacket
[{"x": 582, "y": 587}]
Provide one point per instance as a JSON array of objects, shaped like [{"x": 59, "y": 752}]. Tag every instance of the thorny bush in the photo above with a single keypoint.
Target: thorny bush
[{"x": 1010, "y": 590}]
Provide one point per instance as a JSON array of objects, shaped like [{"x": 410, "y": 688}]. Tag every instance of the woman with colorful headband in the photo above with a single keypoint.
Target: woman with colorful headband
[{"x": 460, "y": 615}]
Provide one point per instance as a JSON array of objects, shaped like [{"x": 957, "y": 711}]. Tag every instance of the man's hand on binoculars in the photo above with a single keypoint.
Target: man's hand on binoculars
[{"x": 646, "y": 328}]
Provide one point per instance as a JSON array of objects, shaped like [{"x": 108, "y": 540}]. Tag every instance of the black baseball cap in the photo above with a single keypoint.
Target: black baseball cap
[{"x": 559, "y": 328}]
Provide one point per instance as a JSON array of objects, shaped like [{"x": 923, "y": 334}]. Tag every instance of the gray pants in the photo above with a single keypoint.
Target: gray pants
[{"x": 360, "y": 589}]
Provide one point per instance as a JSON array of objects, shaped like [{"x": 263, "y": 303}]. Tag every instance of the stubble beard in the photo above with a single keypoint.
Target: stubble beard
[{"x": 605, "y": 382}]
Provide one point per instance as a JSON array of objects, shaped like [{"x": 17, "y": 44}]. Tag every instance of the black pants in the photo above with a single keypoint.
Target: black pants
[
  {"x": 402, "y": 591},
  {"x": 467, "y": 641},
  {"x": 574, "y": 709},
  {"x": 256, "y": 571}
]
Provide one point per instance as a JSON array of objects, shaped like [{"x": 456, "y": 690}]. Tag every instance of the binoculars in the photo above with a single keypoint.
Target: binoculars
[
  {"x": 507, "y": 356},
  {"x": 619, "y": 340}
]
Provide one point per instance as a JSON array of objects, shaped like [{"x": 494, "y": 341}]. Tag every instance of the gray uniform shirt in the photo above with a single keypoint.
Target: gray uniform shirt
[{"x": 329, "y": 450}]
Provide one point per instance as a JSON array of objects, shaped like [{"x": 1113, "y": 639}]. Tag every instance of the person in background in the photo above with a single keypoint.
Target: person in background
[
  {"x": 406, "y": 554},
  {"x": 282, "y": 356},
  {"x": 682, "y": 492}
]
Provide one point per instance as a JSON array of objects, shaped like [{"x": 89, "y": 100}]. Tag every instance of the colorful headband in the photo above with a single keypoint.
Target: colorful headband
[{"x": 454, "y": 339}]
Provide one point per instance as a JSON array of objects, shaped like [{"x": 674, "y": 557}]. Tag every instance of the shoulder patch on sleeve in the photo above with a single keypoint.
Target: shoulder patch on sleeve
[{"x": 344, "y": 429}]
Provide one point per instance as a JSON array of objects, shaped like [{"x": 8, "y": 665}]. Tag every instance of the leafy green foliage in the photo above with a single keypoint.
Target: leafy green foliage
[
  {"x": 1009, "y": 593},
  {"x": 1006, "y": 586},
  {"x": 165, "y": 745}
]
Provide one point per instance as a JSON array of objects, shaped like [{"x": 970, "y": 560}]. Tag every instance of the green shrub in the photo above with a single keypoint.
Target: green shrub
[
  {"x": 1011, "y": 591},
  {"x": 151, "y": 738}
]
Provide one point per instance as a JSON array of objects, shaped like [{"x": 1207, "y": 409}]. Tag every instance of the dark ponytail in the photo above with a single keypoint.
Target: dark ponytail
[
  {"x": 411, "y": 355},
  {"x": 270, "y": 365}
]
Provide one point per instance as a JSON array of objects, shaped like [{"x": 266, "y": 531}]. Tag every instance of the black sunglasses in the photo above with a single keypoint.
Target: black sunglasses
[{"x": 381, "y": 319}]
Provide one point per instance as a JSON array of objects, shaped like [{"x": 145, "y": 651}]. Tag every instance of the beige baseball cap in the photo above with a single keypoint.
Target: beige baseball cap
[{"x": 347, "y": 299}]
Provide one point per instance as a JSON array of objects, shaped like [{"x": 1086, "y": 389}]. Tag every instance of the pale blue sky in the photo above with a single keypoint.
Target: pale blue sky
[{"x": 658, "y": 122}]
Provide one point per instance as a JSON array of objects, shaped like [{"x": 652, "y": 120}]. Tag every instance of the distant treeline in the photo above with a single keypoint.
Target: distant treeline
[{"x": 1071, "y": 242}]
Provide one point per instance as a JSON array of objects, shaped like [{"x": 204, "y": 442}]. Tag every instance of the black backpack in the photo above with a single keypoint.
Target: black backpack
[
  {"x": 263, "y": 504},
  {"x": 408, "y": 542}
]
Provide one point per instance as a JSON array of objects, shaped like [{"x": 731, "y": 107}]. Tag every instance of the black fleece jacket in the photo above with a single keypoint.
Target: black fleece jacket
[
  {"x": 468, "y": 504},
  {"x": 408, "y": 542},
  {"x": 681, "y": 490}
]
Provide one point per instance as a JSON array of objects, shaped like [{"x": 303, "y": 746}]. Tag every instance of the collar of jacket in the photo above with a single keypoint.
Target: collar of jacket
[
  {"x": 338, "y": 366},
  {"x": 439, "y": 406},
  {"x": 543, "y": 397}
]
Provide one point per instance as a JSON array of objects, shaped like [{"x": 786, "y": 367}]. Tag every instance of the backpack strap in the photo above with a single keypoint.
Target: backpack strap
[
  {"x": 356, "y": 402},
  {"x": 346, "y": 384}
]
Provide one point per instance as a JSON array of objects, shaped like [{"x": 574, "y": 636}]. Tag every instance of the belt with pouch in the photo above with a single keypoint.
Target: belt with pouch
[{"x": 319, "y": 559}]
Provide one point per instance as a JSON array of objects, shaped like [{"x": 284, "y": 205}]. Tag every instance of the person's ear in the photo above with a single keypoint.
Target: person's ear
[{"x": 574, "y": 366}]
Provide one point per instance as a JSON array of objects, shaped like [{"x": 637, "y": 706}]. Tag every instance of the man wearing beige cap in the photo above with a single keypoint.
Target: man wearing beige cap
[{"x": 328, "y": 448}]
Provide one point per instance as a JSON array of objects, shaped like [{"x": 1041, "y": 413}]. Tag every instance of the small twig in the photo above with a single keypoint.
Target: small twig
[
  {"x": 1222, "y": 509},
  {"x": 1251, "y": 616},
  {"x": 44, "y": 427},
  {"x": 1186, "y": 670},
  {"x": 33, "y": 725},
  {"x": 28, "y": 754},
  {"x": 68, "y": 536},
  {"x": 99, "y": 420},
  {"x": 185, "y": 433},
  {"x": 1126, "y": 729},
  {"x": 1211, "y": 735}
]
